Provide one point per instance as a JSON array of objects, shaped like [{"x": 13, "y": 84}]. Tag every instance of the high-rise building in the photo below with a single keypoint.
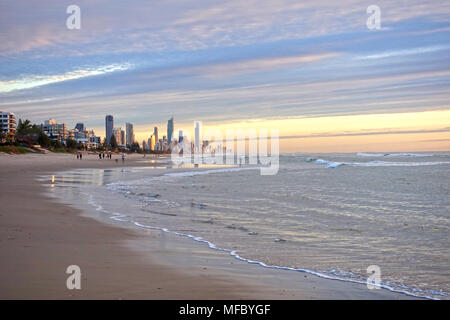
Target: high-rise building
[
  {"x": 197, "y": 146},
  {"x": 79, "y": 132},
  {"x": 152, "y": 143},
  {"x": 55, "y": 131},
  {"x": 8, "y": 123},
  {"x": 122, "y": 137},
  {"x": 80, "y": 127},
  {"x": 155, "y": 133},
  {"x": 109, "y": 125},
  {"x": 117, "y": 132},
  {"x": 169, "y": 131},
  {"x": 144, "y": 145},
  {"x": 180, "y": 136},
  {"x": 130, "y": 133}
]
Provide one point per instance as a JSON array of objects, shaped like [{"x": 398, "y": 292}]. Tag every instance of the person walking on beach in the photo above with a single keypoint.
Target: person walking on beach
[
  {"x": 81, "y": 156},
  {"x": 78, "y": 156},
  {"x": 123, "y": 157},
  {"x": 103, "y": 155}
]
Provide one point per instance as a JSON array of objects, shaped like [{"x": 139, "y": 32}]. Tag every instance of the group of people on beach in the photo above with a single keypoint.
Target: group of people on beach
[{"x": 102, "y": 156}]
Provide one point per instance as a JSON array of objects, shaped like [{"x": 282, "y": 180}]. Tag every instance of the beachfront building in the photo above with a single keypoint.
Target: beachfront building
[
  {"x": 197, "y": 147},
  {"x": 155, "y": 133},
  {"x": 80, "y": 127},
  {"x": 170, "y": 132},
  {"x": 122, "y": 138},
  {"x": 165, "y": 145},
  {"x": 55, "y": 131},
  {"x": 8, "y": 123},
  {"x": 94, "y": 141},
  {"x": 152, "y": 143},
  {"x": 130, "y": 134},
  {"x": 117, "y": 132},
  {"x": 109, "y": 125}
]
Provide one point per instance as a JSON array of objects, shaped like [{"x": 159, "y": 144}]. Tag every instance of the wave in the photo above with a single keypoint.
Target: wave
[
  {"x": 203, "y": 172},
  {"x": 395, "y": 164},
  {"x": 331, "y": 275},
  {"x": 329, "y": 164},
  {"x": 363, "y": 154},
  {"x": 334, "y": 164}
]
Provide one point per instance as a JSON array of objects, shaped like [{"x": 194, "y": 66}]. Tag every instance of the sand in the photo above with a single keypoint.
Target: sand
[{"x": 40, "y": 238}]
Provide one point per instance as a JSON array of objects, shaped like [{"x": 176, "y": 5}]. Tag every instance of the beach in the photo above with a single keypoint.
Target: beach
[{"x": 40, "y": 237}]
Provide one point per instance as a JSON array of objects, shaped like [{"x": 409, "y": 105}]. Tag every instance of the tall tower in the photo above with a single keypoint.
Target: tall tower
[
  {"x": 169, "y": 131},
  {"x": 197, "y": 146},
  {"x": 155, "y": 133},
  {"x": 130, "y": 133},
  {"x": 80, "y": 127},
  {"x": 109, "y": 125}
]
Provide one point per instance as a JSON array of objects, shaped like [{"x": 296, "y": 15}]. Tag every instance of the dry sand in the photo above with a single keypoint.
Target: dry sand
[{"x": 40, "y": 237}]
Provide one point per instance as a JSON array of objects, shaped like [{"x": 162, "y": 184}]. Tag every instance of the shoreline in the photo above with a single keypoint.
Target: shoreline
[{"x": 120, "y": 263}]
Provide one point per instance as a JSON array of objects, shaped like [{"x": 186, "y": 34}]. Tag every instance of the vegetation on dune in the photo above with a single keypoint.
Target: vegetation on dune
[{"x": 11, "y": 149}]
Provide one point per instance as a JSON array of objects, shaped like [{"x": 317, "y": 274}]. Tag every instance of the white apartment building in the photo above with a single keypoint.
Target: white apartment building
[{"x": 8, "y": 122}]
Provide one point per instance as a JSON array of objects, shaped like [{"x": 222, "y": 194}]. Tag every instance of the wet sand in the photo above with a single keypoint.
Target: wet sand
[{"x": 40, "y": 238}]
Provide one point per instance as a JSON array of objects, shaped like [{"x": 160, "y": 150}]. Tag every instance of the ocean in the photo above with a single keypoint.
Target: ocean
[{"x": 332, "y": 215}]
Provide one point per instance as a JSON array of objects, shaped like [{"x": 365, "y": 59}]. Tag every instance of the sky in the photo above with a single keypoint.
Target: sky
[{"x": 311, "y": 69}]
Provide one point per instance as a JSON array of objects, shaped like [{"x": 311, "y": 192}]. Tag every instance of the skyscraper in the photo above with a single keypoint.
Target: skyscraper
[
  {"x": 152, "y": 143},
  {"x": 80, "y": 127},
  {"x": 197, "y": 146},
  {"x": 169, "y": 131},
  {"x": 180, "y": 136},
  {"x": 109, "y": 125},
  {"x": 122, "y": 137},
  {"x": 155, "y": 133},
  {"x": 130, "y": 134}
]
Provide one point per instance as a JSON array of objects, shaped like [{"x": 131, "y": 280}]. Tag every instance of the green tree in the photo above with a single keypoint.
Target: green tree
[
  {"x": 3, "y": 137},
  {"x": 44, "y": 140},
  {"x": 135, "y": 147},
  {"x": 71, "y": 144},
  {"x": 113, "y": 142},
  {"x": 24, "y": 127}
]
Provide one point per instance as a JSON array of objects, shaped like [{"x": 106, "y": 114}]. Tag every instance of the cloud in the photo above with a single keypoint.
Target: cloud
[
  {"x": 141, "y": 25},
  {"x": 227, "y": 69},
  {"x": 406, "y": 52},
  {"x": 32, "y": 81}
]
